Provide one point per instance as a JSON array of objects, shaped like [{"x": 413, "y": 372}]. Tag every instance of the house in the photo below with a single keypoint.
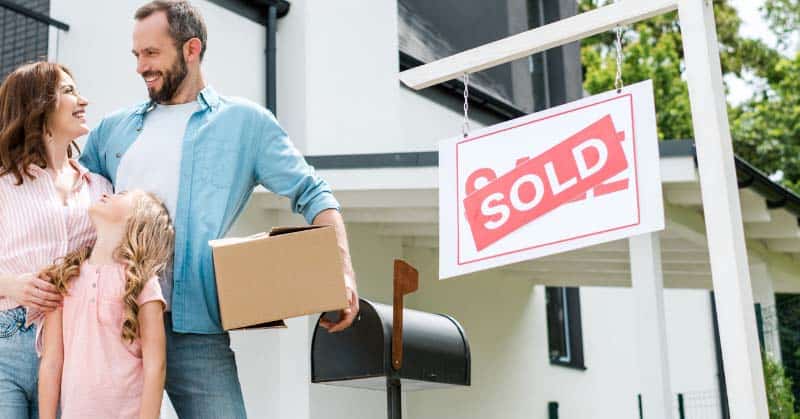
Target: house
[{"x": 558, "y": 334}]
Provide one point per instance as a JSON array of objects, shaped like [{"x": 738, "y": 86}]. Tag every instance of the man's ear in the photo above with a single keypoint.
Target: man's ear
[{"x": 191, "y": 50}]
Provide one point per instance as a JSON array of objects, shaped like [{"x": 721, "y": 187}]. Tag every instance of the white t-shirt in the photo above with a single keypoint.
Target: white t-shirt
[{"x": 153, "y": 162}]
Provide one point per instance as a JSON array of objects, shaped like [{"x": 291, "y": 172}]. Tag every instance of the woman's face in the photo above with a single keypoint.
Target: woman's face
[
  {"x": 68, "y": 120},
  {"x": 113, "y": 209}
]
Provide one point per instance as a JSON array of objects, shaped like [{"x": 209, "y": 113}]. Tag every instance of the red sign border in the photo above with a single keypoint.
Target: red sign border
[{"x": 459, "y": 262}]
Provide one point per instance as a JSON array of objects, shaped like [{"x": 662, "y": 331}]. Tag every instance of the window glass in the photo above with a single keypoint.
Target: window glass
[
  {"x": 22, "y": 39},
  {"x": 564, "y": 333},
  {"x": 430, "y": 30}
]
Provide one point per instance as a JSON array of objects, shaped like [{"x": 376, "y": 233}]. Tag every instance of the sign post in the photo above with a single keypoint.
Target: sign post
[
  {"x": 721, "y": 207},
  {"x": 733, "y": 291}
]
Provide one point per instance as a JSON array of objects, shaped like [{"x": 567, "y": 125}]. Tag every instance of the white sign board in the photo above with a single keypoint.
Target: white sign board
[{"x": 572, "y": 176}]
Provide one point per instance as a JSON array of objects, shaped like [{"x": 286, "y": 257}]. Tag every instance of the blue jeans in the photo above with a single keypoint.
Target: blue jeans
[
  {"x": 202, "y": 381},
  {"x": 19, "y": 367}
]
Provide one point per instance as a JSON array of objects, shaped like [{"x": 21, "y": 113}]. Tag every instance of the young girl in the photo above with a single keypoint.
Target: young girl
[{"x": 104, "y": 351}]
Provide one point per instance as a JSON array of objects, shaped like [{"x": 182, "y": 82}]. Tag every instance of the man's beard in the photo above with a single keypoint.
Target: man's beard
[{"x": 170, "y": 81}]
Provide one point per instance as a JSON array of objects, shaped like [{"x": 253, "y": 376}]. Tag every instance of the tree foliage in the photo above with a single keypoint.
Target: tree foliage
[
  {"x": 765, "y": 128},
  {"x": 784, "y": 19},
  {"x": 780, "y": 399}
]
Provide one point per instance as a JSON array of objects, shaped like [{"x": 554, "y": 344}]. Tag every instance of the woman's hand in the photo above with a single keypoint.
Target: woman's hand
[{"x": 31, "y": 292}]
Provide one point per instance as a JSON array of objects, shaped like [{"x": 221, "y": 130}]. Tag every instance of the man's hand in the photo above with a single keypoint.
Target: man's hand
[
  {"x": 32, "y": 292},
  {"x": 333, "y": 218},
  {"x": 347, "y": 315}
]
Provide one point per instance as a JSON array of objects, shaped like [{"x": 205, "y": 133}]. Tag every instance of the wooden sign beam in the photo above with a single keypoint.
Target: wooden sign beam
[{"x": 535, "y": 40}]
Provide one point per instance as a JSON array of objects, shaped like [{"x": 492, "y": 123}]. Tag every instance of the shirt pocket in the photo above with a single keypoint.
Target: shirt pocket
[
  {"x": 109, "y": 312},
  {"x": 218, "y": 162},
  {"x": 110, "y": 306}
]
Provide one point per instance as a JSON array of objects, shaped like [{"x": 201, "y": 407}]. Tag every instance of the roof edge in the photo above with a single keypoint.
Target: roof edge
[{"x": 748, "y": 176}]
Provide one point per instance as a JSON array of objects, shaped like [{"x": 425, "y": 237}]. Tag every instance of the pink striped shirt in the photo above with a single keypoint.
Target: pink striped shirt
[{"x": 37, "y": 227}]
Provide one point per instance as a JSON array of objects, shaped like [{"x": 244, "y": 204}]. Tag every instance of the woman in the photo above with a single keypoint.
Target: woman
[{"x": 44, "y": 201}]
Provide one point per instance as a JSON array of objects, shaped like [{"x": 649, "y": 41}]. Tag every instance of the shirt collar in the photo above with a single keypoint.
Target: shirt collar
[
  {"x": 207, "y": 98},
  {"x": 83, "y": 172}
]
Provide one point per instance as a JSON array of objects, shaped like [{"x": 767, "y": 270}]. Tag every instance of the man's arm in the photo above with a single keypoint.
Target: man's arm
[
  {"x": 281, "y": 168},
  {"x": 333, "y": 218},
  {"x": 90, "y": 155}
]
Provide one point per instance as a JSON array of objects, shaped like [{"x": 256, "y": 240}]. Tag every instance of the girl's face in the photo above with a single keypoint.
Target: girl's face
[
  {"x": 68, "y": 120},
  {"x": 113, "y": 209}
]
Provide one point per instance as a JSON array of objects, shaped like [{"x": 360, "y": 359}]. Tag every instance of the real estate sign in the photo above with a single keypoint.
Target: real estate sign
[{"x": 572, "y": 176}]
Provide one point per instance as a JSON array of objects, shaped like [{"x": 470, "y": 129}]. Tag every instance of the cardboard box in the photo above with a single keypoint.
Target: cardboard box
[{"x": 266, "y": 278}]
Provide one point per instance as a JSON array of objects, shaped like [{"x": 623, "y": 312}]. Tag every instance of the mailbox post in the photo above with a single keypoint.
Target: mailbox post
[{"x": 430, "y": 350}]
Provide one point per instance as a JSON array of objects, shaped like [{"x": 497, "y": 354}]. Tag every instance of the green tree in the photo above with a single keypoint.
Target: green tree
[
  {"x": 779, "y": 390},
  {"x": 766, "y": 128},
  {"x": 653, "y": 49},
  {"x": 784, "y": 18}
]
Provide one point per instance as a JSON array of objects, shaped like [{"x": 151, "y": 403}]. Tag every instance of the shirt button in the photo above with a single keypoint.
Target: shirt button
[
  {"x": 94, "y": 285},
  {"x": 91, "y": 300}
]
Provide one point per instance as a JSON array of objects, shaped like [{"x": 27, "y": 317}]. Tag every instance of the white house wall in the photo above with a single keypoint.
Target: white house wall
[
  {"x": 338, "y": 91},
  {"x": 351, "y": 55},
  {"x": 505, "y": 321}
]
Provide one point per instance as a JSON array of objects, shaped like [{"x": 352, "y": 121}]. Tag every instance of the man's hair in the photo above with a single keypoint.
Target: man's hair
[{"x": 185, "y": 21}]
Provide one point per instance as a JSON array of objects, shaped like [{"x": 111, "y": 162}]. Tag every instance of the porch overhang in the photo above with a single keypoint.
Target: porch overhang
[{"x": 396, "y": 195}]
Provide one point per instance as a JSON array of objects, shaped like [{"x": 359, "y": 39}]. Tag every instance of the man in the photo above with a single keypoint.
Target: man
[{"x": 202, "y": 153}]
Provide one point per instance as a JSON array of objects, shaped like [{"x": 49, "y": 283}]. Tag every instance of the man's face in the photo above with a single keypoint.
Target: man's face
[{"x": 158, "y": 61}]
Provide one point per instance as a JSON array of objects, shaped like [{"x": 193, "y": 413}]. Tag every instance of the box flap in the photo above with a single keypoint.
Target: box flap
[
  {"x": 235, "y": 240},
  {"x": 278, "y": 324},
  {"x": 277, "y": 231}
]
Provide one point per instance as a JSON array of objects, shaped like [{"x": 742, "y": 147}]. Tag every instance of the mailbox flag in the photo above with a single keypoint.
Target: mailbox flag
[{"x": 572, "y": 176}]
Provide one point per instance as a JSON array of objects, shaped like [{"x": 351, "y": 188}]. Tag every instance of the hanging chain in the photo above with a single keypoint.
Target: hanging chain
[
  {"x": 465, "y": 127},
  {"x": 618, "y": 80}
]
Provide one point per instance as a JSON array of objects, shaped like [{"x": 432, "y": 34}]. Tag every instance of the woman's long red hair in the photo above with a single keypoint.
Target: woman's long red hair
[{"x": 27, "y": 97}]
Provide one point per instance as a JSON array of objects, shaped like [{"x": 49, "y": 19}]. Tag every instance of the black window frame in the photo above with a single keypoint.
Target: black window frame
[
  {"x": 24, "y": 33},
  {"x": 556, "y": 74},
  {"x": 568, "y": 351}
]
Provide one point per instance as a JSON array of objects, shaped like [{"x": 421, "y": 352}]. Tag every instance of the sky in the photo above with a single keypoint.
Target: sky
[{"x": 753, "y": 26}]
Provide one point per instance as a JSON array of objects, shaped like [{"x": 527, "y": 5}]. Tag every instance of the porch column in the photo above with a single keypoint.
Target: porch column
[
  {"x": 295, "y": 369},
  {"x": 764, "y": 294},
  {"x": 648, "y": 290}
]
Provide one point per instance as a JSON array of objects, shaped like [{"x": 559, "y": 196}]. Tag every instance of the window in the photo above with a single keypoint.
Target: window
[
  {"x": 429, "y": 30},
  {"x": 565, "y": 336},
  {"x": 22, "y": 39}
]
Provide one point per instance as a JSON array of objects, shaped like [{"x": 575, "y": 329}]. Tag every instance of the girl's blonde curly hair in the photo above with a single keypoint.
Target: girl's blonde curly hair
[{"x": 145, "y": 252}]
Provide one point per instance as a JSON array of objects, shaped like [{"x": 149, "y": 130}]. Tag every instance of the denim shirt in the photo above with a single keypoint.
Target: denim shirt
[{"x": 230, "y": 145}]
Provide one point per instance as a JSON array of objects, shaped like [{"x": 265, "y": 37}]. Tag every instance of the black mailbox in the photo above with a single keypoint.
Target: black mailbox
[
  {"x": 435, "y": 351},
  {"x": 389, "y": 347}
]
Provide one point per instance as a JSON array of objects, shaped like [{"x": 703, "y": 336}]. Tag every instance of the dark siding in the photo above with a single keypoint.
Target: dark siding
[{"x": 22, "y": 39}]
